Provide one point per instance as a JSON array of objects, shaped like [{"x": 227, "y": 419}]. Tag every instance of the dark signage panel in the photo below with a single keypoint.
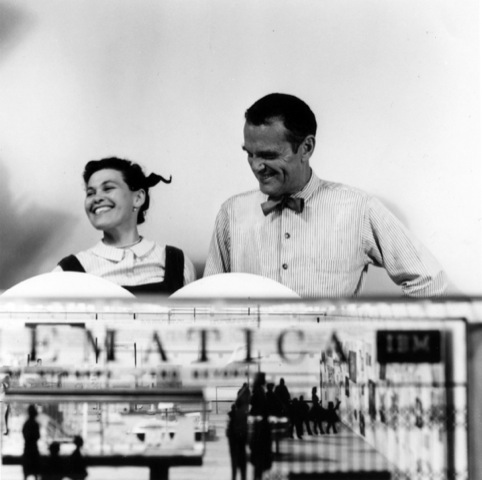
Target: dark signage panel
[{"x": 409, "y": 346}]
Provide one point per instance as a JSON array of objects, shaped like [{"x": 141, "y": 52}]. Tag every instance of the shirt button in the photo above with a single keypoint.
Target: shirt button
[
  {"x": 287, "y": 235},
  {"x": 285, "y": 266}
]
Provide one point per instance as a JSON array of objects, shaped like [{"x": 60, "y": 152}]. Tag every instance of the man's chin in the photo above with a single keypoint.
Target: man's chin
[{"x": 269, "y": 190}]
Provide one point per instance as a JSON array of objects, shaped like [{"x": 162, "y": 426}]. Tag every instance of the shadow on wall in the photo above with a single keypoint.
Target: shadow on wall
[
  {"x": 28, "y": 233},
  {"x": 13, "y": 25},
  {"x": 24, "y": 232}
]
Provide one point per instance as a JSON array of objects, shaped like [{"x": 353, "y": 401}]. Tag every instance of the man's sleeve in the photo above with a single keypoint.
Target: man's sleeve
[
  {"x": 218, "y": 260},
  {"x": 408, "y": 263}
]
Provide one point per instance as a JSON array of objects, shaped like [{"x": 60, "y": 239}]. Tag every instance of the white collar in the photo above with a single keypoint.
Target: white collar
[{"x": 116, "y": 254}]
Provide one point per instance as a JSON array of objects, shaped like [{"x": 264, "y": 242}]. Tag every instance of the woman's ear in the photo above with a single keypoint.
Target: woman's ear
[{"x": 139, "y": 198}]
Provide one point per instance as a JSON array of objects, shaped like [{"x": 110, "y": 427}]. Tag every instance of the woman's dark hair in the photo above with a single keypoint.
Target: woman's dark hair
[
  {"x": 295, "y": 114},
  {"x": 132, "y": 174}
]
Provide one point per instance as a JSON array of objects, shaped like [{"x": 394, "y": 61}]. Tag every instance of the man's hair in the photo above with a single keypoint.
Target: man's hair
[{"x": 295, "y": 114}]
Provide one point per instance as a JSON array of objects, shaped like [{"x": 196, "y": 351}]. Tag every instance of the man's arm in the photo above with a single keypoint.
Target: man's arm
[
  {"x": 218, "y": 260},
  {"x": 408, "y": 263}
]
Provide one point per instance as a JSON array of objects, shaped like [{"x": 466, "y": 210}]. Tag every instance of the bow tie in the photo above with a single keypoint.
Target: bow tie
[{"x": 295, "y": 204}]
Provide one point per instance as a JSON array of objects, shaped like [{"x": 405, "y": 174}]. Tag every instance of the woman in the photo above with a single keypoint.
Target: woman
[{"x": 117, "y": 198}]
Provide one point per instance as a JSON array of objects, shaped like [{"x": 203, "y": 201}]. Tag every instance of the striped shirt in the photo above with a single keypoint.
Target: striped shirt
[
  {"x": 326, "y": 250},
  {"x": 140, "y": 264}
]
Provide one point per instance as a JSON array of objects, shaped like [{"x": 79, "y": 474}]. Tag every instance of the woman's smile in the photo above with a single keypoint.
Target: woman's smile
[{"x": 101, "y": 209}]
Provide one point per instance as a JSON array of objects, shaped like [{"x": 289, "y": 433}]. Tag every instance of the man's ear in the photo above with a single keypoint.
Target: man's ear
[{"x": 308, "y": 147}]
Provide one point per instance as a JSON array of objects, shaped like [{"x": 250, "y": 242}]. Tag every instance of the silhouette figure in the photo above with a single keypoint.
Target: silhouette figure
[
  {"x": 31, "y": 435},
  {"x": 77, "y": 465},
  {"x": 243, "y": 398},
  {"x": 332, "y": 417},
  {"x": 291, "y": 417},
  {"x": 259, "y": 403},
  {"x": 5, "y": 387},
  {"x": 362, "y": 423},
  {"x": 244, "y": 390},
  {"x": 275, "y": 407},
  {"x": 282, "y": 393},
  {"x": 237, "y": 433},
  {"x": 260, "y": 444},
  {"x": 316, "y": 413},
  {"x": 296, "y": 419},
  {"x": 305, "y": 414},
  {"x": 53, "y": 469},
  {"x": 418, "y": 413}
]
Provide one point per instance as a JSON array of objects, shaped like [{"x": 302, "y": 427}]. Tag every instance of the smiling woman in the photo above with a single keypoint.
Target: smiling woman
[{"x": 117, "y": 198}]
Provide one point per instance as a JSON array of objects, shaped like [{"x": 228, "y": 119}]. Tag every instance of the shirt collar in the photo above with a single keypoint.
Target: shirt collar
[
  {"x": 117, "y": 254},
  {"x": 307, "y": 191}
]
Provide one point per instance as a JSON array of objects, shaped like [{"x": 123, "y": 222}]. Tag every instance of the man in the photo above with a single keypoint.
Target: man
[{"x": 316, "y": 237}]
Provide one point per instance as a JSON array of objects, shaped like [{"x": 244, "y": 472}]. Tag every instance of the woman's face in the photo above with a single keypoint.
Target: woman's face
[{"x": 109, "y": 203}]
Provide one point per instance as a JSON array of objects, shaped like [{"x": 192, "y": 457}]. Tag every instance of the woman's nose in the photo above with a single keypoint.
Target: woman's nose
[{"x": 95, "y": 198}]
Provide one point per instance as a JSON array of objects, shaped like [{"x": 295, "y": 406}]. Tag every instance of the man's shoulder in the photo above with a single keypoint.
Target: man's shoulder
[
  {"x": 250, "y": 197},
  {"x": 342, "y": 188},
  {"x": 343, "y": 191}
]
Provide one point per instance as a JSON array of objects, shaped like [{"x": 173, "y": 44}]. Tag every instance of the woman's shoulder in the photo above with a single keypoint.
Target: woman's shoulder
[
  {"x": 76, "y": 262},
  {"x": 166, "y": 248},
  {"x": 71, "y": 263},
  {"x": 175, "y": 258},
  {"x": 153, "y": 247}
]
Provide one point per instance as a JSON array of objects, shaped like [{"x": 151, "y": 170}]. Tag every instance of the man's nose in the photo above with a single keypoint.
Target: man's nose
[{"x": 257, "y": 165}]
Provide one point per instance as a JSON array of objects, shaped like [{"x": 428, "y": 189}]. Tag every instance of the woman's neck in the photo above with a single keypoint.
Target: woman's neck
[{"x": 121, "y": 239}]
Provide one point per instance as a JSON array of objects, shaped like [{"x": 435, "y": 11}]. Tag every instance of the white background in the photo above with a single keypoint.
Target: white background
[{"x": 394, "y": 85}]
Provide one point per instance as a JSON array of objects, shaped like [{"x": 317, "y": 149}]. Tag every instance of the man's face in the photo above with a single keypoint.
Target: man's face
[{"x": 277, "y": 168}]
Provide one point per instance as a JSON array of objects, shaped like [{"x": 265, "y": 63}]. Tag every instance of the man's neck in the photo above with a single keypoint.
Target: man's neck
[{"x": 303, "y": 185}]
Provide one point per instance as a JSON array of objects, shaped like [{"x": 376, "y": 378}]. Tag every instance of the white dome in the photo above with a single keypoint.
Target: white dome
[
  {"x": 235, "y": 285},
  {"x": 67, "y": 285}
]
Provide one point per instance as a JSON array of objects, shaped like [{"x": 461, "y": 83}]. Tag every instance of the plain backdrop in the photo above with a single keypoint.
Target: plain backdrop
[{"x": 394, "y": 85}]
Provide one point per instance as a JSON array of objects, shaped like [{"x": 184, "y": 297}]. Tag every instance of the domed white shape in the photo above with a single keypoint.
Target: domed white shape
[
  {"x": 67, "y": 285},
  {"x": 235, "y": 285}
]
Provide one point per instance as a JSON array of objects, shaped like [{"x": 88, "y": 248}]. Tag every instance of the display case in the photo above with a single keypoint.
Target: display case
[{"x": 377, "y": 389}]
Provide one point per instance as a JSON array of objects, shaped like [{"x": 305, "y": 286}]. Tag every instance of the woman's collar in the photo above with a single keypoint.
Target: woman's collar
[{"x": 116, "y": 254}]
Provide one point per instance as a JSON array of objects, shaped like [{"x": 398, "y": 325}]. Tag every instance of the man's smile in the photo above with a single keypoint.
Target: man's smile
[{"x": 266, "y": 175}]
